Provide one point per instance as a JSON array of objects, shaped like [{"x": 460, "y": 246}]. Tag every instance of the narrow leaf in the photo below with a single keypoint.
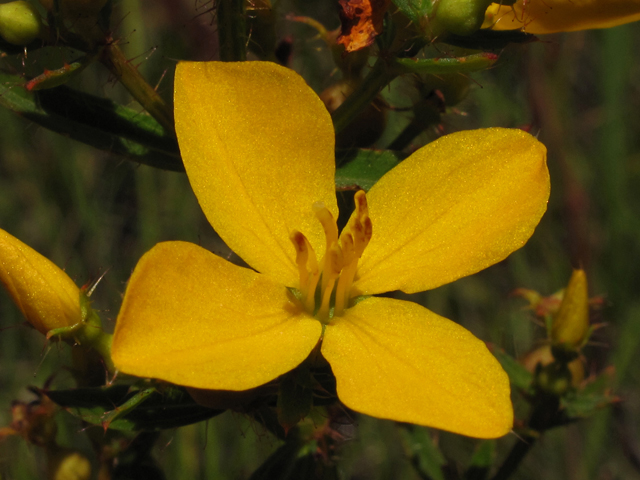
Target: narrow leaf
[
  {"x": 95, "y": 121},
  {"x": 438, "y": 66}
]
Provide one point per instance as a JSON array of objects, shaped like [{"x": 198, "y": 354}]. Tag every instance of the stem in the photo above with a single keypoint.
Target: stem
[
  {"x": 127, "y": 74},
  {"x": 378, "y": 78},
  {"x": 232, "y": 30},
  {"x": 543, "y": 417},
  {"x": 516, "y": 455}
]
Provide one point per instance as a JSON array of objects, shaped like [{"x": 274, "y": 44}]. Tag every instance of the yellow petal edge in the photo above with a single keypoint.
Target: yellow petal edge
[
  {"x": 552, "y": 16},
  {"x": 258, "y": 147},
  {"x": 191, "y": 318},
  {"x": 453, "y": 208},
  {"x": 397, "y": 360}
]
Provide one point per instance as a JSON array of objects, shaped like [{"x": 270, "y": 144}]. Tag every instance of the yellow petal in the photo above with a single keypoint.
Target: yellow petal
[
  {"x": 397, "y": 360},
  {"x": 550, "y": 16},
  {"x": 192, "y": 318},
  {"x": 258, "y": 146},
  {"x": 46, "y": 295},
  {"x": 456, "y": 206}
]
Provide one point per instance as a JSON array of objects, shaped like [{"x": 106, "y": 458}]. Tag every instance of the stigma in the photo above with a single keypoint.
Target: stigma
[{"x": 325, "y": 286}]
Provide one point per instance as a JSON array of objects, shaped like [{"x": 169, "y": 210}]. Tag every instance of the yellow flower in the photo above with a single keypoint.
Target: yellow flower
[
  {"x": 258, "y": 147},
  {"x": 46, "y": 295},
  {"x": 550, "y": 16}
]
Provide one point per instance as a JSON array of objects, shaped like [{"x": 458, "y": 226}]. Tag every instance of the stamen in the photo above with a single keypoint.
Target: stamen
[
  {"x": 354, "y": 239},
  {"x": 339, "y": 262},
  {"x": 308, "y": 269}
]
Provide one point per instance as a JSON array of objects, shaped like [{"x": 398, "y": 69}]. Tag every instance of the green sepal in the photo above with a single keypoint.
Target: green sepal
[
  {"x": 585, "y": 402},
  {"x": 519, "y": 376},
  {"x": 95, "y": 121},
  {"x": 295, "y": 397},
  {"x": 127, "y": 408},
  {"x": 424, "y": 454},
  {"x": 361, "y": 169}
]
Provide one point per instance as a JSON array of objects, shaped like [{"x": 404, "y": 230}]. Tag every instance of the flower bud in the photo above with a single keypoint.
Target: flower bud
[
  {"x": 67, "y": 464},
  {"x": 570, "y": 326},
  {"x": 20, "y": 22},
  {"x": 46, "y": 295},
  {"x": 462, "y": 17}
]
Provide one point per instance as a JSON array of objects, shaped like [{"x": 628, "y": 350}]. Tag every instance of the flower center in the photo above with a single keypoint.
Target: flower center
[{"x": 325, "y": 286}]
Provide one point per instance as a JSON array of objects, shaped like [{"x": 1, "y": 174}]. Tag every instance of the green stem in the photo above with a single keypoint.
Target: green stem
[
  {"x": 377, "y": 78},
  {"x": 543, "y": 417},
  {"x": 232, "y": 30},
  {"x": 516, "y": 455},
  {"x": 127, "y": 74}
]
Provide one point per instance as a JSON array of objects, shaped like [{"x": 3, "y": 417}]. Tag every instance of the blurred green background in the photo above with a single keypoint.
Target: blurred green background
[{"x": 91, "y": 212}]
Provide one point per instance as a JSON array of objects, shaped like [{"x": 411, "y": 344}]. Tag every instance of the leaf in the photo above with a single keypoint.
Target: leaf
[
  {"x": 122, "y": 407},
  {"x": 519, "y": 376},
  {"x": 481, "y": 461},
  {"x": 295, "y": 397},
  {"x": 360, "y": 169},
  {"x": 361, "y": 22},
  {"x": 426, "y": 456},
  {"x": 416, "y": 10},
  {"x": 442, "y": 65},
  {"x": 95, "y": 121}
]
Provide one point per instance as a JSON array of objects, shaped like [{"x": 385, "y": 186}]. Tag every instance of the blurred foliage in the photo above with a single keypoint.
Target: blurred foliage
[{"x": 91, "y": 211}]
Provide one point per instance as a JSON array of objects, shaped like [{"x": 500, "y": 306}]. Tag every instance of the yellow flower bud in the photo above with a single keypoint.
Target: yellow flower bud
[
  {"x": 46, "y": 295},
  {"x": 67, "y": 464},
  {"x": 571, "y": 324},
  {"x": 20, "y": 22}
]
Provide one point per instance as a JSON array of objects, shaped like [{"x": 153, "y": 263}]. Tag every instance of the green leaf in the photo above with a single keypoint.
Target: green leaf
[
  {"x": 416, "y": 10},
  {"x": 122, "y": 407},
  {"x": 442, "y": 65},
  {"x": 95, "y": 121},
  {"x": 519, "y": 376},
  {"x": 360, "y": 169},
  {"x": 481, "y": 461},
  {"x": 425, "y": 455}
]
